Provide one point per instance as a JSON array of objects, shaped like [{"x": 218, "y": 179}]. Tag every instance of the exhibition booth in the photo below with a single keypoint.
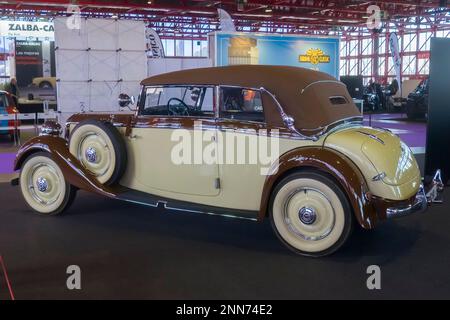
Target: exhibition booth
[{"x": 153, "y": 162}]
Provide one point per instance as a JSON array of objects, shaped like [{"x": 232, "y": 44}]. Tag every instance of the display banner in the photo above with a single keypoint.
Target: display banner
[
  {"x": 226, "y": 22},
  {"x": 38, "y": 29},
  {"x": 320, "y": 54},
  {"x": 155, "y": 48},
  {"x": 395, "y": 53},
  {"x": 28, "y": 61}
]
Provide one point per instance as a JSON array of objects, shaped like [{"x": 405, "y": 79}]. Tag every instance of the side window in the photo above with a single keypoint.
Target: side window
[
  {"x": 179, "y": 101},
  {"x": 3, "y": 101},
  {"x": 241, "y": 104}
]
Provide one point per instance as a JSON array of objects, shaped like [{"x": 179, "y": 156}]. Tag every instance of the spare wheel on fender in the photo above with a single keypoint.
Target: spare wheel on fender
[{"x": 100, "y": 148}]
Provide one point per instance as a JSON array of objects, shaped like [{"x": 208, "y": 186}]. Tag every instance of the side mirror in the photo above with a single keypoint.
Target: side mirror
[{"x": 125, "y": 100}]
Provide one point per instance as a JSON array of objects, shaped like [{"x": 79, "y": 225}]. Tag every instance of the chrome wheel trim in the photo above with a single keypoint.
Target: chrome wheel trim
[
  {"x": 307, "y": 215},
  {"x": 43, "y": 175},
  {"x": 42, "y": 184},
  {"x": 94, "y": 153},
  {"x": 330, "y": 221},
  {"x": 91, "y": 154},
  {"x": 324, "y": 216},
  {"x": 34, "y": 171}
]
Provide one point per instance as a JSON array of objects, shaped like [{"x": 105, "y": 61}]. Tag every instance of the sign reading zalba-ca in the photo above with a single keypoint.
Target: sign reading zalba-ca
[{"x": 27, "y": 29}]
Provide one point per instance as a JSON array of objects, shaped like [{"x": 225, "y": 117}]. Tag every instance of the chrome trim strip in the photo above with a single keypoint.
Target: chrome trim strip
[
  {"x": 288, "y": 120},
  {"x": 165, "y": 206},
  {"x": 372, "y": 136},
  {"x": 321, "y": 81}
]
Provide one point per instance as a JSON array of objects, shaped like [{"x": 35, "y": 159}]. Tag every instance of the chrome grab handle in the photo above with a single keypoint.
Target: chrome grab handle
[{"x": 133, "y": 136}]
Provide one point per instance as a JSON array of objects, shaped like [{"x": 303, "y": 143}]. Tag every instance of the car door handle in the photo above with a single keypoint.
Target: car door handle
[{"x": 133, "y": 136}]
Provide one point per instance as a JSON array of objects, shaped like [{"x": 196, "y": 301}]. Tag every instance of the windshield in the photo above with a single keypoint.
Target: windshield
[{"x": 179, "y": 101}]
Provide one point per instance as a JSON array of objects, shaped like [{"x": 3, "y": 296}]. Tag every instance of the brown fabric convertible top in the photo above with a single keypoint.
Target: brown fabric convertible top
[{"x": 304, "y": 94}]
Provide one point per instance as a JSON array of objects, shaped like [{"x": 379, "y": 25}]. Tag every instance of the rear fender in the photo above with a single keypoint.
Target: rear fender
[{"x": 330, "y": 162}]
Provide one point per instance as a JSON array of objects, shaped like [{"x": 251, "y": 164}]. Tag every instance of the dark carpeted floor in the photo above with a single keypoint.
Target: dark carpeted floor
[{"x": 131, "y": 251}]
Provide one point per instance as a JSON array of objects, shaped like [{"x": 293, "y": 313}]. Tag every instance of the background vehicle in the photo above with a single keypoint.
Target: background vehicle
[
  {"x": 399, "y": 99},
  {"x": 7, "y": 106},
  {"x": 44, "y": 82},
  {"x": 417, "y": 103}
]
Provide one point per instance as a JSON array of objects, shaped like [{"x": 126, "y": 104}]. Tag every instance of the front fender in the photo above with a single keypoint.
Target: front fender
[
  {"x": 72, "y": 169},
  {"x": 329, "y": 161}
]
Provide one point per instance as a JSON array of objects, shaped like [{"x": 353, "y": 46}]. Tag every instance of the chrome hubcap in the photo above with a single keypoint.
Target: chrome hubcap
[
  {"x": 91, "y": 154},
  {"x": 42, "y": 184},
  {"x": 307, "y": 215}
]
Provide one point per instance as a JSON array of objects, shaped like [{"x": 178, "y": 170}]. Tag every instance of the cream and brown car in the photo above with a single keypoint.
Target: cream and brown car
[{"x": 330, "y": 172}]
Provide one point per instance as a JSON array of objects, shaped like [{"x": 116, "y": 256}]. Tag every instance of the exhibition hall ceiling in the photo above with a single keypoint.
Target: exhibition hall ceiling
[{"x": 198, "y": 17}]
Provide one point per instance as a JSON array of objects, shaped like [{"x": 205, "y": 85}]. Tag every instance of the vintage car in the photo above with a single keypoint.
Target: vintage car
[
  {"x": 328, "y": 174},
  {"x": 7, "y": 107},
  {"x": 44, "y": 82}
]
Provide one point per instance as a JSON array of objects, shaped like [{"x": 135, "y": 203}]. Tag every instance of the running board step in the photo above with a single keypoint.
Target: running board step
[{"x": 142, "y": 198}]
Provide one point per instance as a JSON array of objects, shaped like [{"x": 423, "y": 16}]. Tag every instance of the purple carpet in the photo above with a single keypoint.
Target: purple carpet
[
  {"x": 7, "y": 163},
  {"x": 412, "y": 133}
]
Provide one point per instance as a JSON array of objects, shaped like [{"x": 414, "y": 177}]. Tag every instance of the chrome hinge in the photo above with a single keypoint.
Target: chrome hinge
[
  {"x": 133, "y": 136},
  {"x": 217, "y": 183},
  {"x": 379, "y": 176}
]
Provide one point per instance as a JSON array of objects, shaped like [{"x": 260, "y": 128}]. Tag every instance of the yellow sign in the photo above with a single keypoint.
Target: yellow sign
[{"x": 314, "y": 56}]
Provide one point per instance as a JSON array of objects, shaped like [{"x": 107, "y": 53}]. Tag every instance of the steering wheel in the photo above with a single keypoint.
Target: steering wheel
[{"x": 175, "y": 110}]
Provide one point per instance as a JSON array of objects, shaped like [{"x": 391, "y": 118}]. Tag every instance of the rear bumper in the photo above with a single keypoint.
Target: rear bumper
[
  {"x": 419, "y": 204},
  {"x": 388, "y": 209}
]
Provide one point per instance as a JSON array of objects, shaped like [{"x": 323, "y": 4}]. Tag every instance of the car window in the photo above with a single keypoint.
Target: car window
[
  {"x": 179, "y": 101},
  {"x": 241, "y": 104},
  {"x": 3, "y": 101}
]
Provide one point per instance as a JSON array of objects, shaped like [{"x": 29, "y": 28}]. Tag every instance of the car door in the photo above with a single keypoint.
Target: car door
[
  {"x": 241, "y": 119},
  {"x": 173, "y": 126}
]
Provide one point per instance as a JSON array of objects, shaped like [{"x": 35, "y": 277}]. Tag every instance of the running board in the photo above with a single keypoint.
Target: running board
[{"x": 143, "y": 198}]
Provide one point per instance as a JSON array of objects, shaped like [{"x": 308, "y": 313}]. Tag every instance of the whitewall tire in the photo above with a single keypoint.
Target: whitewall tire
[
  {"x": 100, "y": 149},
  {"x": 310, "y": 213},
  {"x": 43, "y": 185}
]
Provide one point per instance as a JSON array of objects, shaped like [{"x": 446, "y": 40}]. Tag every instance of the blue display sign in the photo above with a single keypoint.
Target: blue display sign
[{"x": 321, "y": 54}]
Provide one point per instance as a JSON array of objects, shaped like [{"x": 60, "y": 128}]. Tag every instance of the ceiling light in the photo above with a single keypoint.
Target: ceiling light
[
  {"x": 268, "y": 9},
  {"x": 202, "y": 12},
  {"x": 252, "y": 15},
  {"x": 298, "y": 18},
  {"x": 149, "y": 2}
]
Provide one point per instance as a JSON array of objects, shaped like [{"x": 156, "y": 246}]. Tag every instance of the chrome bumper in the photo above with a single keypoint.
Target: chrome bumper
[
  {"x": 420, "y": 204},
  {"x": 421, "y": 200}
]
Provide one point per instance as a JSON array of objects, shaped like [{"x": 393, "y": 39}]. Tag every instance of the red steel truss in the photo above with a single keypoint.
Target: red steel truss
[{"x": 363, "y": 52}]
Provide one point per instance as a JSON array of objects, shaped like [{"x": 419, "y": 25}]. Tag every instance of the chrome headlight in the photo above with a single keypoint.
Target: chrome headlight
[{"x": 51, "y": 128}]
